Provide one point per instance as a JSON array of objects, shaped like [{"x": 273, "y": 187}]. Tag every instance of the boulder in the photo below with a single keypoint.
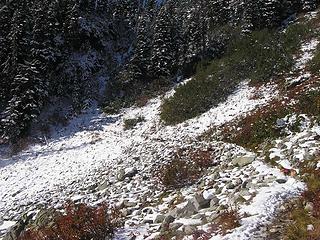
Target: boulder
[
  {"x": 189, "y": 230},
  {"x": 130, "y": 172},
  {"x": 159, "y": 218},
  {"x": 309, "y": 207},
  {"x": 103, "y": 185},
  {"x": 200, "y": 202},
  {"x": 166, "y": 222},
  {"x": 121, "y": 175},
  {"x": 188, "y": 210},
  {"x": 281, "y": 181},
  {"x": 243, "y": 161},
  {"x": 214, "y": 202},
  {"x": 175, "y": 226}
]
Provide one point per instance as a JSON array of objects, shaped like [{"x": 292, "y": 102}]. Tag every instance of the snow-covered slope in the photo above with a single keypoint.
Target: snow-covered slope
[
  {"x": 89, "y": 160},
  {"x": 70, "y": 166}
]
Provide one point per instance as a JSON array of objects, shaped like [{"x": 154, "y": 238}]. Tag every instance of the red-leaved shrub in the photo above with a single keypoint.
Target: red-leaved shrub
[{"x": 80, "y": 222}]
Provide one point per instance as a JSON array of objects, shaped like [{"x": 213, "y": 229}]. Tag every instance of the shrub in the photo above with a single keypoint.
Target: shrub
[
  {"x": 257, "y": 128},
  {"x": 79, "y": 222},
  {"x": 294, "y": 34},
  {"x": 309, "y": 103},
  {"x": 299, "y": 216},
  {"x": 185, "y": 167},
  {"x": 132, "y": 122},
  {"x": 314, "y": 64},
  {"x": 260, "y": 56},
  {"x": 261, "y": 125},
  {"x": 226, "y": 221}
]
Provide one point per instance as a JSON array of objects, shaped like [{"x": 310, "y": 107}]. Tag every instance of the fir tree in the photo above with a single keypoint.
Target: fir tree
[
  {"x": 163, "y": 45},
  {"x": 28, "y": 96}
]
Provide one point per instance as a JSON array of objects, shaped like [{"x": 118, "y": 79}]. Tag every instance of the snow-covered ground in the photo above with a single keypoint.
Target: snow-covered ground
[
  {"x": 68, "y": 165},
  {"x": 82, "y": 162}
]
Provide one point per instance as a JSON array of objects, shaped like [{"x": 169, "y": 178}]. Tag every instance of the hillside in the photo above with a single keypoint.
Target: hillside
[{"x": 220, "y": 141}]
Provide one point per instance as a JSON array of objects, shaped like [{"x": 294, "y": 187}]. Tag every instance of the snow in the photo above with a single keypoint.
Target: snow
[
  {"x": 92, "y": 145},
  {"x": 82, "y": 153},
  {"x": 4, "y": 226},
  {"x": 300, "y": 74}
]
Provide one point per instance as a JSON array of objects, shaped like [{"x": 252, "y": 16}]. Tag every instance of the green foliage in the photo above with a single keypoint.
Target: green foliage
[
  {"x": 194, "y": 97},
  {"x": 314, "y": 64},
  {"x": 260, "y": 56},
  {"x": 132, "y": 122},
  {"x": 294, "y": 34},
  {"x": 299, "y": 216},
  {"x": 309, "y": 104}
]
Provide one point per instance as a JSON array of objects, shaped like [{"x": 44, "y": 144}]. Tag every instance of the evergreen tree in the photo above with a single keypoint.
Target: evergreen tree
[
  {"x": 28, "y": 96},
  {"x": 163, "y": 45},
  {"x": 309, "y": 5}
]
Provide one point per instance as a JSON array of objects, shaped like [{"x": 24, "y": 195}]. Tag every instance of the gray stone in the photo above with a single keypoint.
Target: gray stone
[
  {"x": 310, "y": 227},
  {"x": 230, "y": 186},
  {"x": 200, "y": 202},
  {"x": 121, "y": 175},
  {"x": 281, "y": 181},
  {"x": 166, "y": 222},
  {"x": 189, "y": 230},
  {"x": 281, "y": 123},
  {"x": 130, "y": 172},
  {"x": 175, "y": 226},
  {"x": 309, "y": 207},
  {"x": 147, "y": 221},
  {"x": 243, "y": 161},
  {"x": 128, "y": 204},
  {"x": 104, "y": 185},
  {"x": 214, "y": 202},
  {"x": 188, "y": 210},
  {"x": 159, "y": 218},
  {"x": 45, "y": 217}
]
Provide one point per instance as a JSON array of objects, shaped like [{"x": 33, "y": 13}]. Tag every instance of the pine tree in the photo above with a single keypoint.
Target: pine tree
[
  {"x": 5, "y": 19},
  {"x": 28, "y": 96},
  {"x": 309, "y": 5},
  {"x": 163, "y": 45}
]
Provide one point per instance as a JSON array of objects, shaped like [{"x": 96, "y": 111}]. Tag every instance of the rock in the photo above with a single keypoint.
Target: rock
[
  {"x": 45, "y": 217},
  {"x": 243, "y": 161},
  {"x": 127, "y": 203},
  {"x": 281, "y": 181},
  {"x": 104, "y": 185},
  {"x": 212, "y": 217},
  {"x": 189, "y": 230},
  {"x": 147, "y": 221},
  {"x": 230, "y": 186},
  {"x": 169, "y": 219},
  {"x": 130, "y": 172},
  {"x": 214, "y": 202},
  {"x": 309, "y": 207},
  {"x": 188, "y": 210},
  {"x": 281, "y": 123},
  {"x": 159, "y": 218},
  {"x": 238, "y": 182},
  {"x": 200, "y": 202},
  {"x": 208, "y": 194},
  {"x": 175, "y": 226},
  {"x": 310, "y": 227},
  {"x": 166, "y": 222},
  {"x": 20, "y": 226},
  {"x": 121, "y": 175}
]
